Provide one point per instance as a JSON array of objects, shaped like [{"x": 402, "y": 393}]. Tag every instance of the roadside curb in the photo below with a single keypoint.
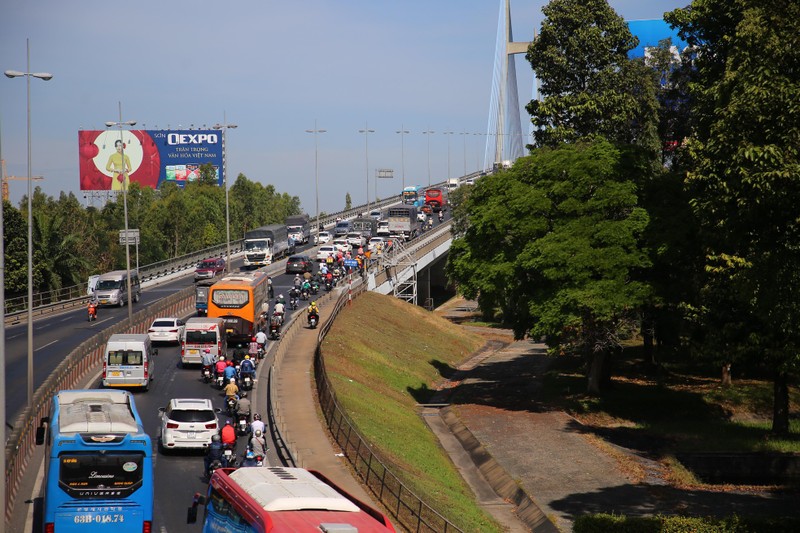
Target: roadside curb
[{"x": 500, "y": 481}]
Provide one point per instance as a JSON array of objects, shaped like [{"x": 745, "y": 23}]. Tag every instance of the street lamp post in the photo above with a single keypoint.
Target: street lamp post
[
  {"x": 316, "y": 132},
  {"x": 42, "y": 76},
  {"x": 428, "y": 133},
  {"x": 366, "y": 131},
  {"x": 225, "y": 127},
  {"x": 464, "y": 137},
  {"x": 402, "y": 131},
  {"x": 125, "y": 183},
  {"x": 448, "y": 133}
]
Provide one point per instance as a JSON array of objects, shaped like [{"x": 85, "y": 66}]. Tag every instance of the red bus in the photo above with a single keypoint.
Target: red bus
[
  {"x": 436, "y": 198},
  {"x": 280, "y": 499}
]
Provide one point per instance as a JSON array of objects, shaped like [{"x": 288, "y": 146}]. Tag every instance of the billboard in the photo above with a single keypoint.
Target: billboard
[
  {"x": 650, "y": 32},
  {"x": 152, "y": 157}
]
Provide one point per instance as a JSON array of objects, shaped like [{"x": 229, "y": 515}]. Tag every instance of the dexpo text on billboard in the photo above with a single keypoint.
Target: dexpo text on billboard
[{"x": 152, "y": 157}]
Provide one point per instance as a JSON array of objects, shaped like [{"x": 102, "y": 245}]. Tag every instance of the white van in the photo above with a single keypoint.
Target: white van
[
  {"x": 112, "y": 288},
  {"x": 202, "y": 333},
  {"x": 128, "y": 361}
]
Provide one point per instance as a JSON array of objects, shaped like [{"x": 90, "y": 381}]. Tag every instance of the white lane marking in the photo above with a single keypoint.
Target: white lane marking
[
  {"x": 45, "y": 346},
  {"x": 37, "y": 487}
]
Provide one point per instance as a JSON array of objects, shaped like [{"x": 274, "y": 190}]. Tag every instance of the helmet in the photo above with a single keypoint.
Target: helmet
[
  {"x": 233, "y": 380},
  {"x": 297, "y": 275},
  {"x": 250, "y": 455},
  {"x": 256, "y": 416},
  {"x": 215, "y": 438},
  {"x": 247, "y": 357},
  {"x": 314, "y": 304},
  {"x": 280, "y": 296},
  {"x": 207, "y": 350},
  {"x": 253, "y": 339},
  {"x": 258, "y": 433},
  {"x": 228, "y": 422},
  {"x": 242, "y": 394}
]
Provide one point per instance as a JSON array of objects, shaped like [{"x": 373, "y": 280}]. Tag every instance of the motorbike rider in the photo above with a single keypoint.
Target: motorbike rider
[
  {"x": 270, "y": 289},
  {"x": 258, "y": 444},
  {"x": 306, "y": 287},
  {"x": 261, "y": 339},
  {"x": 228, "y": 434},
  {"x": 239, "y": 352},
  {"x": 208, "y": 361},
  {"x": 257, "y": 424},
  {"x": 92, "y": 308},
  {"x": 231, "y": 391},
  {"x": 230, "y": 372},
  {"x": 247, "y": 368},
  {"x": 280, "y": 300},
  {"x": 297, "y": 281},
  {"x": 313, "y": 310},
  {"x": 249, "y": 459},
  {"x": 253, "y": 348},
  {"x": 243, "y": 407},
  {"x": 214, "y": 452},
  {"x": 279, "y": 310},
  {"x": 221, "y": 366},
  {"x": 441, "y": 216}
]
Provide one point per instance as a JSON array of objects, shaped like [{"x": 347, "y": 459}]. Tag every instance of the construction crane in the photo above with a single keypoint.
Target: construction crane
[{"x": 6, "y": 178}]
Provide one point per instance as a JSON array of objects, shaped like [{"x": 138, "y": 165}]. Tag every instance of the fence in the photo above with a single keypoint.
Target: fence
[
  {"x": 79, "y": 364},
  {"x": 406, "y": 508}
]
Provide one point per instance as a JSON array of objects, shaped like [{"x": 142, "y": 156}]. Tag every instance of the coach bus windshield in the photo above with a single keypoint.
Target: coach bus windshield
[
  {"x": 230, "y": 298},
  {"x": 409, "y": 197}
]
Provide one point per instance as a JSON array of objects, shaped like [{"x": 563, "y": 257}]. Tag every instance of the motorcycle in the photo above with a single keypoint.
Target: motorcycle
[
  {"x": 328, "y": 285},
  {"x": 314, "y": 287},
  {"x": 231, "y": 404},
  {"x": 220, "y": 380},
  {"x": 304, "y": 295},
  {"x": 242, "y": 426},
  {"x": 215, "y": 465},
  {"x": 207, "y": 374},
  {"x": 247, "y": 382},
  {"x": 313, "y": 319},
  {"x": 92, "y": 314},
  {"x": 274, "y": 331},
  {"x": 293, "y": 302},
  {"x": 261, "y": 352},
  {"x": 228, "y": 456}
]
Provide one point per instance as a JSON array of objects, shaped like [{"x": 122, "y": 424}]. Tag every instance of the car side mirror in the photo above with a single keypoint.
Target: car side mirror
[{"x": 162, "y": 409}]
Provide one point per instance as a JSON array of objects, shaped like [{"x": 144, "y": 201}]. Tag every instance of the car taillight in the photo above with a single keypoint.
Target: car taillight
[
  {"x": 211, "y": 426},
  {"x": 183, "y": 348},
  {"x": 151, "y": 330},
  {"x": 104, "y": 373},
  {"x": 147, "y": 527},
  {"x": 173, "y": 331},
  {"x": 146, "y": 369},
  {"x": 172, "y": 425}
]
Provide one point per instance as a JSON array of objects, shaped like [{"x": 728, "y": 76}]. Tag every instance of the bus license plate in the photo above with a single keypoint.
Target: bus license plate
[{"x": 116, "y": 374}]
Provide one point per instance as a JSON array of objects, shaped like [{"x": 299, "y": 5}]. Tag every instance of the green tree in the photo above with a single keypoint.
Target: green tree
[
  {"x": 208, "y": 174},
  {"x": 588, "y": 84},
  {"x": 745, "y": 179},
  {"x": 554, "y": 244},
  {"x": 15, "y": 246},
  {"x": 348, "y": 202}
]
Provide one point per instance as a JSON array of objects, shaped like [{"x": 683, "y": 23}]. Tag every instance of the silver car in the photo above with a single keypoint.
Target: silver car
[{"x": 188, "y": 423}]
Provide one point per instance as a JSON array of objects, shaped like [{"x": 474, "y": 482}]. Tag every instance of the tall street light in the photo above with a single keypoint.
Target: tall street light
[
  {"x": 42, "y": 76},
  {"x": 402, "y": 133},
  {"x": 124, "y": 169},
  {"x": 366, "y": 131},
  {"x": 464, "y": 136},
  {"x": 448, "y": 133},
  {"x": 316, "y": 132},
  {"x": 225, "y": 127},
  {"x": 428, "y": 133}
]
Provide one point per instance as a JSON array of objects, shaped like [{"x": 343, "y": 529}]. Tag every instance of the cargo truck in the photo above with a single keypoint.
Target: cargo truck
[
  {"x": 367, "y": 226},
  {"x": 264, "y": 245},
  {"x": 403, "y": 220},
  {"x": 299, "y": 228}
]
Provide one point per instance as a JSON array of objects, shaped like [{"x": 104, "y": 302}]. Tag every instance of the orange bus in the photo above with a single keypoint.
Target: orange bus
[{"x": 237, "y": 299}]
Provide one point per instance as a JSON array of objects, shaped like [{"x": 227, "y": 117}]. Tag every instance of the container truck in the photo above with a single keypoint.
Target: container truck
[
  {"x": 264, "y": 245},
  {"x": 299, "y": 228}
]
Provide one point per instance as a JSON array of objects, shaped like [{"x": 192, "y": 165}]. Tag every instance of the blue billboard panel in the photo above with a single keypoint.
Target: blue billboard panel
[
  {"x": 650, "y": 32},
  {"x": 151, "y": 157}
]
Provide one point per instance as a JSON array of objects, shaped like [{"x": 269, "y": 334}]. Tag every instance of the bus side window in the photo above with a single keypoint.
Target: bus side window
[{"x": 41, "y": 431}]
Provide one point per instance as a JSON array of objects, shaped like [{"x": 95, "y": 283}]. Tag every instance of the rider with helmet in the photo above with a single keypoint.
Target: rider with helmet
[
  {"x": 214, "y": 452},
  {"x": 228, "y": 434},
  {"x": 247, "y": 368},
  {"x": 298, "y": 282},
  {"x": 258, "y": 444},
  {"x": 243, "y": 407},
  {"x": 313, "y": 310},
  {"x": 280, "y": 300},
  {"x": 257, "y": 424}
]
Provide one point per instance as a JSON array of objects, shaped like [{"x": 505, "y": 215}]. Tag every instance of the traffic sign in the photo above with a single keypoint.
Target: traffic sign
[
  {"x": 133, "y": 237},
  {"x": 352, "y": 263}
]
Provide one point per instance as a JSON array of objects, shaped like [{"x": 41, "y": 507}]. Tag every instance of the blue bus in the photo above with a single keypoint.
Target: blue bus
[
  {"x": 414, "y": 195},
  {"x": 98, "y": 464}
]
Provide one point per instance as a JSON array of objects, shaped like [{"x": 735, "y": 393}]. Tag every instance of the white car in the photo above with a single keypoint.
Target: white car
[
  {"x": 421, "y": 216},
  {"x": 326, "y": 250},
  {"x": 166, "y": 330},
  {"x": 324, "y": 237},
  {"x": 356, "y": 240},
  {"x": 341, "y": 244},
  {"x": 377, "y": 241},
  {"x": 383, "y": 228},
  {"x": 376, "y": 214},
  {"x": 188, "y": 423}
]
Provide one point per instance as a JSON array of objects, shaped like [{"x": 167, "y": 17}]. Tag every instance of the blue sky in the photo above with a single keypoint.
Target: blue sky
[{"x": 273, "y": 67}]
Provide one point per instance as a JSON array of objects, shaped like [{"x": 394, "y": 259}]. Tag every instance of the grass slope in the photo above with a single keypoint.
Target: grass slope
[{"x": 384, "y": 356}]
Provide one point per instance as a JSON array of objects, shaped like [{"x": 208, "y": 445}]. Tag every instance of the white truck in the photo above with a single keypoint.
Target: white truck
[
  {"x": 299, "y": 228},
  {"x": 265, "y": 244},
  {"x": 452, "y": 184}
]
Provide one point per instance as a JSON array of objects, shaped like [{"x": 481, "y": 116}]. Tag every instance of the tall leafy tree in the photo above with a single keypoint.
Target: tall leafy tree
[
  {"x": 588, "y": 84},
  {"x": 15, "y": 246},
  {"x": 554, "y": 244},
  {"x": 745, "y": 178}
]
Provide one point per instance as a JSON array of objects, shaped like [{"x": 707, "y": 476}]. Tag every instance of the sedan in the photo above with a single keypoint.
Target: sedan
[
  {"x": 341, "y": 244},
  {"x": 324, "y": 237},
  {"x": 209, "y": 268},
  {"x": 326, "y": 250},
  {"x": 375, "y": 242},
  {"x": 166, "y": 330},
  {"x": 356, "y": 240},
  {"x": 188, "y": 423},
  {"x": 299, "y": 263}
]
